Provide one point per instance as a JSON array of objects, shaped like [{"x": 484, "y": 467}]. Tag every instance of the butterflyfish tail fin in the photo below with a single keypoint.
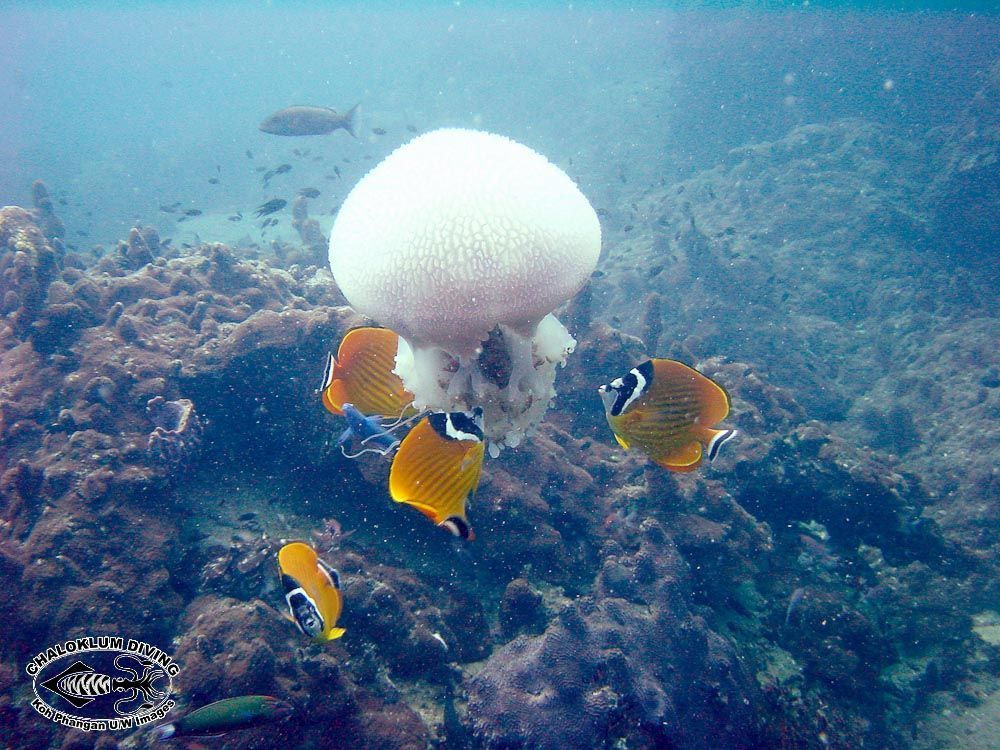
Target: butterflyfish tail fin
[
  {"x": 459, "y": 526},
  {"x": 335, "y": 633},
  {"x": 719, "y": 438}
]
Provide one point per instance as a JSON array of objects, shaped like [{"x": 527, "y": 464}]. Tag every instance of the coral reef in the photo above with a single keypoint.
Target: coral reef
[
  {"x": 177, "y": 432},
  {"x": 595, "y": 677},
  {"x": 309, "y": 231}
]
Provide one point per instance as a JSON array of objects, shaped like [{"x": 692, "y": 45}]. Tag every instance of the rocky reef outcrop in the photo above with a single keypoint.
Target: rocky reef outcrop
[{"x": 596, "y": 676}]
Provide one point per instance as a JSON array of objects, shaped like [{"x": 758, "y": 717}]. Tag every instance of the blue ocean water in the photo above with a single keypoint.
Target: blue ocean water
[{"x": 124, "y": 110}]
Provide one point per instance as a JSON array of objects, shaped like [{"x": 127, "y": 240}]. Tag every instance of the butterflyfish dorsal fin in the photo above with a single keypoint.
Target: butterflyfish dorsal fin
[
  {"x": 362, "y": 374},
  {"x": 437, "y": 468},
  {"x": 713, "y": 400}
]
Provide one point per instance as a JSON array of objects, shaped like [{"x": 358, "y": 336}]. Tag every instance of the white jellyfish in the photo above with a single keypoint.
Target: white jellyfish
[{"x": 464, "y": 242}]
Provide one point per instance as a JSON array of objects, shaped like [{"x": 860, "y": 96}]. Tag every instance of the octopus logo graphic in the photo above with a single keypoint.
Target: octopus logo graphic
[{"x": 101, "y": 684}]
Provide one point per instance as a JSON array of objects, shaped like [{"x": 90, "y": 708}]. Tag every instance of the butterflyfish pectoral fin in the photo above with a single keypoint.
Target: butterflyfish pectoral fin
[
  {"x": 437, "y": 468},
  {"x": 335, "y": 633},
  {"x": 362, "y": 374},
  {"x": 621, "y": 441}
]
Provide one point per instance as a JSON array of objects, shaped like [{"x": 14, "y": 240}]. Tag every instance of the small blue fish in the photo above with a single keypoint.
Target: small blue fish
[{"x": 374, "y": 432}]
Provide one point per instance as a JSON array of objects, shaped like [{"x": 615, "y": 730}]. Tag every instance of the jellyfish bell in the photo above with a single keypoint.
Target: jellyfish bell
[{"x": 464, "y": 242}]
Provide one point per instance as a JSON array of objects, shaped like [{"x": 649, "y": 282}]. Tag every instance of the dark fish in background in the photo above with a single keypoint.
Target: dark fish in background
[
  {"x": 275, "y": 204},
  {"x": 271, "y": 173},
  {"x": 309, "y": 192},
  {"x": 336, "y": 171},
  {"x": 301, "y": 152},
  {"x": 260, "y": 169},
  {"x": 193, "y": 212},
  {"x": 249, "y": 154},
  {"x": 171, "y": 208},
  {"x": 412, "y": 128},
  {"x": 227, "y": 715},
  {"x": 378, "y": 131},
  {"x": 306, "y": 120},
  {"x": 238, "y": 216},
  {"x": 213, "y": 180},
  {"x": 793, "y": 604}
]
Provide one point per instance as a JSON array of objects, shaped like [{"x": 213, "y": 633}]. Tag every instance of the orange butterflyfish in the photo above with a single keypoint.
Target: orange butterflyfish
[
  {"x": 362, "y": 374},
  {"x": 668, "y": 411},
  {"x": 437, "y": 468},
  {"x": 312, "y": 591}
]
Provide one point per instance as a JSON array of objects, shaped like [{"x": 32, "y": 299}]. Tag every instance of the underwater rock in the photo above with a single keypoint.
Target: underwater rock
[
  {"x": 177, "y": 433},
  {"x": 964, "y": 195},
  {"x": 51, "y": 225},
  {"x": 28, "y": 264},
  {"x": 416, "y": 634},
  {"x": 309, "y": 230},
  {"x": 137, "y": 251},
  {"x": 521, "y": 609},
  {"x": 610, "y": 671}
]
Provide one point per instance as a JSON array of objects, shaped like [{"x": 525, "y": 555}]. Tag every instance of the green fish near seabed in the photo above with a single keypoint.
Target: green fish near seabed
[
  {"x": 223, "y": 716},
  {"x": 305, "y": 120}
]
